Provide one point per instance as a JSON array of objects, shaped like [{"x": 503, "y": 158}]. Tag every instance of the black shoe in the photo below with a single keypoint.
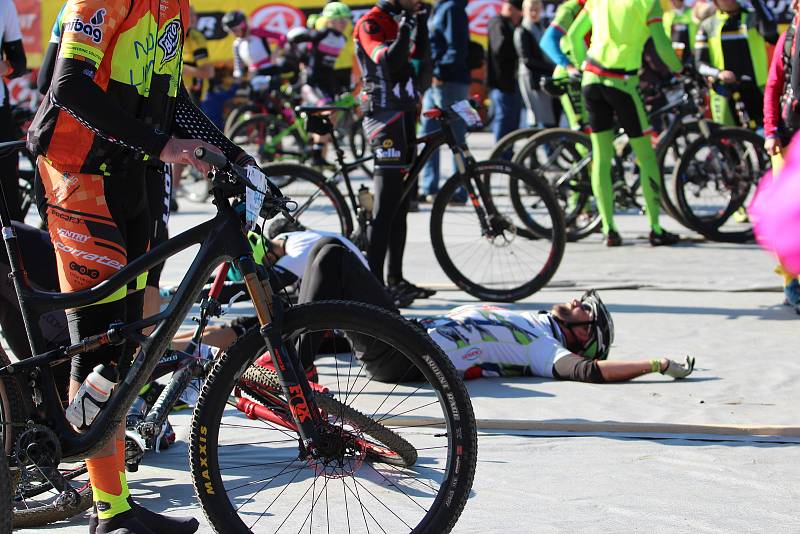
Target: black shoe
[
  {"x": 664, "y": 239},
  {"x": 413, "y": 206},
  {"x": 173, "y": 205},
  {"x": 142, "y": 518},
  {"x": 405, "y": 287},
  {"x": 125, "y": 523},
  {"x": 613, "y": 239}
]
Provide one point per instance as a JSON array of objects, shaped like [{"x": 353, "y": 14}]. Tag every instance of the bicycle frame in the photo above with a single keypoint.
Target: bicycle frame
[{"x": 220, "y": 239}]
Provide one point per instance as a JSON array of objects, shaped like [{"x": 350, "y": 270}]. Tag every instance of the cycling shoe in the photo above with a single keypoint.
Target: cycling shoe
[
  {"x": 404, "y": 287},
  {"x": 124, "y": 523},
  {"x": 140, "y": 520},
  {"x": 664, "y": 239}
]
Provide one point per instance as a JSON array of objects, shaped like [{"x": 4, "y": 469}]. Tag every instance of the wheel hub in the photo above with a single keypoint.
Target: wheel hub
[
  {"x": 337, "y": 452},
  {"x": 502, "y": 232}
]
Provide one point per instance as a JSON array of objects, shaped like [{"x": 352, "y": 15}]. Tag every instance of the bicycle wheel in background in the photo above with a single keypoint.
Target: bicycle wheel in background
[
  {"x": 320, "y": 205},
  {"x": 194, "y": 186},
  {"x": 265, "y": 138},
  {"x": 239, "y": 114},
  {"x": 715, "y": 180},
  {"x": 490, "y": 249},
  {"x": 248, "y": 471},
  {"x": 562, "y": 158},
  {"x": 508, "y": 145},
  {"x": 668, "y": 162}
]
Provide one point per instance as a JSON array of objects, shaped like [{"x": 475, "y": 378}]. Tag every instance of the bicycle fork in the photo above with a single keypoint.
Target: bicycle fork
[{"x": 293, "y": 380}]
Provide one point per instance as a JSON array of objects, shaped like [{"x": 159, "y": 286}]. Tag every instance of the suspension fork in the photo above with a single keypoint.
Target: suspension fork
[
  {"x": 475, "y": 191},
  {"x": 291, "y": 376}
]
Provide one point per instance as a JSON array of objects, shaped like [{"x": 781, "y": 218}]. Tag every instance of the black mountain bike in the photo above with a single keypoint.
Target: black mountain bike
[
  {"x": 484, "y": 245},
  {"x": 717, "y": 176},
  {"x": 263, "y": 455}
]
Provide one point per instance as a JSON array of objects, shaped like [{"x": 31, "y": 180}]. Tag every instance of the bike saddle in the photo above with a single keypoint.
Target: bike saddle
[{"x": 312, "y": 110}]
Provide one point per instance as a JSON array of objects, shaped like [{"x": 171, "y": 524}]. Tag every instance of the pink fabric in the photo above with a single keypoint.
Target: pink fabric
[
  {"x": 775, "y": 211},
  {"x": 269, "y": 34},
  {"x": 774, "y": 90}
]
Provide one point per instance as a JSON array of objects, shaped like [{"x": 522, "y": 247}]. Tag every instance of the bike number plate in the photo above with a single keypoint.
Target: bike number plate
[
  {"x": 467, "y": 113},
  {"x": 254, "y": 199}
]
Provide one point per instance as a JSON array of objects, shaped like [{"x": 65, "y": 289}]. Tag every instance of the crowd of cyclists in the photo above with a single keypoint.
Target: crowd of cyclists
[{"x": 110, "y": 149}]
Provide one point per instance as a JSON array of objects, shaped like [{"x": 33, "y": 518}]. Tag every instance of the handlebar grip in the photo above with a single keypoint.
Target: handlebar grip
[{"x": 212, "y": 158}]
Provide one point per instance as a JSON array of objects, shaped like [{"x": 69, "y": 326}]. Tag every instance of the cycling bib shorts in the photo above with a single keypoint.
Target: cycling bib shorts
[
  {"x": 605, "y": 97},
  {"x": 97, "y": 225}
]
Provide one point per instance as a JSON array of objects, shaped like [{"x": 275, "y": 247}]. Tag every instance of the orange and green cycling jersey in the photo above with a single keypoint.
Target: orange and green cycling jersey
[{"x": 115, "y": 83}]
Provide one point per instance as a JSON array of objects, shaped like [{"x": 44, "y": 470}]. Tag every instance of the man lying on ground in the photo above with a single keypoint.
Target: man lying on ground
[{"x": 570, "y": 342}]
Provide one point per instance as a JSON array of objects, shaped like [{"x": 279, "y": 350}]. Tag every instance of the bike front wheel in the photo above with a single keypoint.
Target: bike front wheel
[
  {"x": 490, "y": 248},
  {"x": 245, "y": 455}
]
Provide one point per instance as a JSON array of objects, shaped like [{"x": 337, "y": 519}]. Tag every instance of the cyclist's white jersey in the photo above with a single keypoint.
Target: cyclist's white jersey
[
  {"x": 299, "y": 244},
  {"x": 483, "y": 340},
  {"x": 250, "y": 53}
]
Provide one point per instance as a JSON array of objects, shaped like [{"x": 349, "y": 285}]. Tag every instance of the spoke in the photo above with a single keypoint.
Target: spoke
[
  {"x": 408, "y": 411},
  {"x": 253, "y": 482},
  {"x": 391, "y": 483},
  {"x": 381, "y": 502}
]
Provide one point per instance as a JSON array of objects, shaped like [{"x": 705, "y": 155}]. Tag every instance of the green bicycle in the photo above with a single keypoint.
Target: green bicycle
[{"x": 278, "y": 133}]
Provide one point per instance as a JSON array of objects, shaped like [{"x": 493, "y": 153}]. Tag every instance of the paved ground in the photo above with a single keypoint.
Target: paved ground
[{"x": 717, "y": 302}]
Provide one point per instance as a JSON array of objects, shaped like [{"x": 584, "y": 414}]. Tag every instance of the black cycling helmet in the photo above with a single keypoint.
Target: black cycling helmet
[
  {"x": 233, "y": 19},
  {"x": 601, "y": 327}
]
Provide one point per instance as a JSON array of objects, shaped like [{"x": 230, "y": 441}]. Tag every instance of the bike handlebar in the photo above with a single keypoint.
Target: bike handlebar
[{"x": 214, "y": 159}]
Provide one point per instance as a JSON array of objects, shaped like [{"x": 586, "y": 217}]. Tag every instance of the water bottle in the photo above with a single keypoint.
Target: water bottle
[
  {"x": 365, "y": 198},
  {"x": 92, "y": 396}
]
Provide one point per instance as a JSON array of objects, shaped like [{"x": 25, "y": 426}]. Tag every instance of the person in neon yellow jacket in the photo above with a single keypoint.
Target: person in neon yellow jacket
[
  {"x": 730, "y": 45},
  {"x": 681, "y": 25},
  {"x": 611, "y": 97}
]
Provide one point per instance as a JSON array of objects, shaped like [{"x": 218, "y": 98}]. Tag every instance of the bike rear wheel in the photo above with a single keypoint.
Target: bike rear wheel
[
  {"x": 504, "y": 254},
  {"x": 33, "y": 499},
  {"x": 715, "y": 181},
  {"x": 247, "y": 472},
  {"x": 320, "y": 205}
]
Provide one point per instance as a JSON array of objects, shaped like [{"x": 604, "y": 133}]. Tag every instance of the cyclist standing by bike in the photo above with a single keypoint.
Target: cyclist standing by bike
[
  {"x": 610, "y": 88},
  {"x": 108, "y": 111},
  {"x": 681, "y": 27},
  {"x": 12, "y": 65},
  {"x": 388, "y": 37},
  {"x": 731, "y": 45},
  {"x": 558, "y": 49},
  {"x": 320, "y": 86}
]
